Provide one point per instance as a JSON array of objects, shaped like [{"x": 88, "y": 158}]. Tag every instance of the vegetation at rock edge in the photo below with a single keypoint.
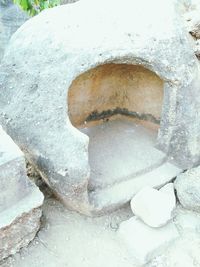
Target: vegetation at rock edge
[{"x": 33, "y": 7}]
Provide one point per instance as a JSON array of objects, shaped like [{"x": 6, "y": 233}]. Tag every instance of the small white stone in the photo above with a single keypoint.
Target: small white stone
[
  {"x": 154, "y": 207},
  {"x": 144, "y": 242},
  {"x": 168, "y": 189}
]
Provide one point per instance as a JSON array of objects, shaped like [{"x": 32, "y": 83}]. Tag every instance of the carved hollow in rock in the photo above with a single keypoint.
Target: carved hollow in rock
[
  {"x": 114, "y": 89},
  {"x": 85, "y": 102}
]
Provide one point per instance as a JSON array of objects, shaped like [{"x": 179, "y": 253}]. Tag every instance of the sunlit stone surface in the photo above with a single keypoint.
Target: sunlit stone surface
[{"x": 145, "y": 69}]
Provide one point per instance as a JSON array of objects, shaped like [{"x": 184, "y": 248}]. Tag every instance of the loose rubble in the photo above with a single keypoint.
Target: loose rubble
[{"x": 149, "y": 232}]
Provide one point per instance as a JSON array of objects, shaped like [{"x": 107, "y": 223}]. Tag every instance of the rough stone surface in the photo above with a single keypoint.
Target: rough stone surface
[
  {"x": 197, "y": 48},
  {"x": 19, "y": 233},
  {"x": 187, "y": 186},
  {"x": 20, "y": 200},
  {"x": 11, "y": 18},
  {"x": 39, "y": 75},
  {"x": 183, "y": 252},
  {"x": 154, "y": 207},
  {"x": 187, "y": 221},
  {"x": 144, "y": 242}
]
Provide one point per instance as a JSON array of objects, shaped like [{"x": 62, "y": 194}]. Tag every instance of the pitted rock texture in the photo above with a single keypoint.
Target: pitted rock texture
[
  {"x": 19, "y": 233},
  {"x": 187, "y": 186},
  {"x": 36, "y": 78},
  {"x": 20, "y": 200}
]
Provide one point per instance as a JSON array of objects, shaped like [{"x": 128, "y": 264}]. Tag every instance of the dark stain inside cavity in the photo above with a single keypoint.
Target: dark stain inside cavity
[{"x": 95, "y": 115}]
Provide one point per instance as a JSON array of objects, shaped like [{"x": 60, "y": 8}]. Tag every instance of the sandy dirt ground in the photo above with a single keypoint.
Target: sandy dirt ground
[{"x": 67, "y": 238}]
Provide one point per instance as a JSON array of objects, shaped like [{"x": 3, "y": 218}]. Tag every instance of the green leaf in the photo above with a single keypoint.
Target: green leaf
[
  {"x": 24, "y": 4},
  {"x": 34, "y": 7}
]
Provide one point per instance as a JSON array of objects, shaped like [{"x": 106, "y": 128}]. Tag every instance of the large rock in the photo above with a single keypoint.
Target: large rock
[
  {"x": 187, "y": 186},
  {"x": 11, "y": 18},
  {"x": 52, "y": 49},
  {"x": 144, "y": 242},
  {"x": 20, "y": 200},
  {"x": 154, "y": 207}
]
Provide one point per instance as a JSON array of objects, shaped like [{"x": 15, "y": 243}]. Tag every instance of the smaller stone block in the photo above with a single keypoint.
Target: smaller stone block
[
  {"x": 144, "y": 242},
  {"x": 20, "y": 199},
  {"x": 154, "y": 207},
  {"x": 187, "y": 186}
]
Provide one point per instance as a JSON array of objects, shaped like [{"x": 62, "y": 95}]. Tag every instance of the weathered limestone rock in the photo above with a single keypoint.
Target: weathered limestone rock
[
  {"x": 187, "y": 186},
  {"x": 183, "y": 252},
  {"x": 20, "y": 200},
  {"x": 11, "y": 18},
  {"x": 187, "y": 220},
  {"x": 144, "y": 242},
  {"x": 154, "y": 207},
  {"x": 37, "y": 79}
]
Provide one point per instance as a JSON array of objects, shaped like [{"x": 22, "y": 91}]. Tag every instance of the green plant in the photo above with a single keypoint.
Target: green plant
[{"x": 33, "y": 7}]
